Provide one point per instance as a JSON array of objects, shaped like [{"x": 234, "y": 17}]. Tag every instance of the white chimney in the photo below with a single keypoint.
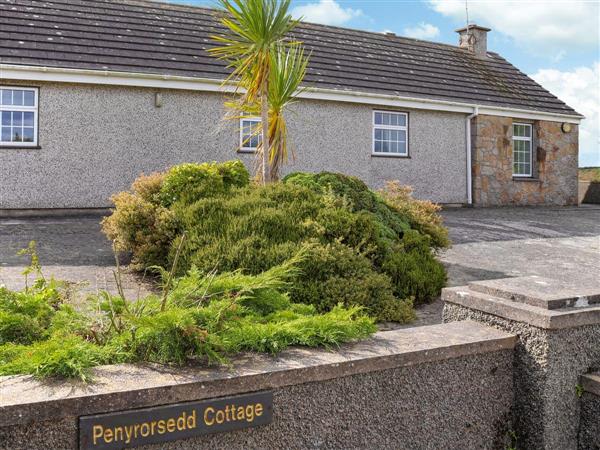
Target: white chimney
[{"x": 474, "y": 38}]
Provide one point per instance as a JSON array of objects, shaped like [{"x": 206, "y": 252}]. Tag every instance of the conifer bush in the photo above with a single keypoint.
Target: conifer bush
[
  {"x": 199, "y": 318},
  {"x": 354, "y": 234}
]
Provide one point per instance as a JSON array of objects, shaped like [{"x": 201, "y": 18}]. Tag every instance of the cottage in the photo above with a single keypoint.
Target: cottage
[{"x": 95, "y": 92}]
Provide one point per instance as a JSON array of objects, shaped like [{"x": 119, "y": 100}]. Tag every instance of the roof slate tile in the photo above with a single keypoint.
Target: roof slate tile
[{"x": 149, "y": 37}]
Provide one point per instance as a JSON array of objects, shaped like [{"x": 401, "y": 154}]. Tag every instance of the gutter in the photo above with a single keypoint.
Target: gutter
[
  {"x": 149, "y": 80},
  {"x": 469, "y": 156}
]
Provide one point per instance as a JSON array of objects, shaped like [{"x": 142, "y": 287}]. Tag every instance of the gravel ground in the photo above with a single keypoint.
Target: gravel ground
[{"x": 488, "y": 243}]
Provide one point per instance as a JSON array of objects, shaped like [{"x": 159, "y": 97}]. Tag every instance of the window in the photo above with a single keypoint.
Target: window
[
  {"x": 522, "y": 158},
  {"x": 18, "y": 116},
  {"x": 250, "y": 134},
  {"x": 390, "y": 133}
]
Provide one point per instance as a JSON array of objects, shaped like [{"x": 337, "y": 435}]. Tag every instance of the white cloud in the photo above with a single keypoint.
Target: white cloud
[
  {"x": 540, "y": 25},
  {"x": 422, "y": 31},
  {"x": 327, "y": 12},
  {"x": 580, "y": 89}
]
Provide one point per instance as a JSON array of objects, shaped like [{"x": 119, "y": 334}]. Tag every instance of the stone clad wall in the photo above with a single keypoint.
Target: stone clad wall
[{"x": 554, "y": 180}]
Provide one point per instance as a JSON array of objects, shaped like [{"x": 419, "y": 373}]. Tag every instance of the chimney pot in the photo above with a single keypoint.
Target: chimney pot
[{"x": 473, "y": 38}]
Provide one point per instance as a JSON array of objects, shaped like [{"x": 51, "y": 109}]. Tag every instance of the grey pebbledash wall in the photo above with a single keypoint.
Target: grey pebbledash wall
[
  {"x": 443, "y": 386},
  {"x": 558, "y": 324},
  {"x": 95, "y": 140}
]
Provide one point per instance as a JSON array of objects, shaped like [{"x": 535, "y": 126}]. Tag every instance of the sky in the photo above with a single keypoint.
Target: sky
[{"x": 556, "y": 42}]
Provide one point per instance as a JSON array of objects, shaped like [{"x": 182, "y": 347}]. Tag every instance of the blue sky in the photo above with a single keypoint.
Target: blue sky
[{"x": 556, "y": 42}]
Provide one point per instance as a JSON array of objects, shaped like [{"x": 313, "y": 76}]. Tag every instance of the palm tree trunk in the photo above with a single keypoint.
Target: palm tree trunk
[{"x": 265, "y": 128}]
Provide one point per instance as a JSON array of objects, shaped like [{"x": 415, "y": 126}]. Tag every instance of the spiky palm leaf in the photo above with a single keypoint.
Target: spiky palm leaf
[{"x": 256, "y": 42}]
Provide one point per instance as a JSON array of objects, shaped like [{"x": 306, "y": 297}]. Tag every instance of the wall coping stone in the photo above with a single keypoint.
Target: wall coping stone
[
  {"x": 26, "y": 400},
  {"x": 542, "y": 292},
  {"x": 551, "y": 319},
  {"x": 591, "y": 383}
]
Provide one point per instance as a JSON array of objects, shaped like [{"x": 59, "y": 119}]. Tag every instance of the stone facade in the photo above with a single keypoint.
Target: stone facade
[{"x": 554, "y": 180}]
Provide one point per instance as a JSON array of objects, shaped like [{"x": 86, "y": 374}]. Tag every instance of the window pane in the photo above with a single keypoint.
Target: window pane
[
  {"x": 402, "y": 120},
  {"x": 17, "y": 118},
  {"x": 377, "y": 146},
  {"x": 6, "y": 117},
  {"x": 521, "y": 130},
  {"x": 27, "y": 134},
  {"x": 402, "y": 135},
  {"x": 29, "y": 98},
  {"x": 17, "y": 135},
  {"x": 18, "y": 98},
  {"x": 385, "y": 147},
  {"x": 28, "y": 119},
  {"x": 402, "y": 147},
  {"x": 394, "y": 147},
  {"x": 6, "y": 134},
  {"x": 394, "y": 135},
  {"x": 378, "y": 118},
  {"x": 6, "y": 97},
  {"x": 378, "y": 134}
]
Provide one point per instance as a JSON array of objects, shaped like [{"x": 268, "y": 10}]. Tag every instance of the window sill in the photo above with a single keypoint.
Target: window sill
[
  {"x": 246, "y": 151},
  {"x": 390, "y": 155},
  {"x": 20, "y": 147},
  {"x": 517, "y": 178}
]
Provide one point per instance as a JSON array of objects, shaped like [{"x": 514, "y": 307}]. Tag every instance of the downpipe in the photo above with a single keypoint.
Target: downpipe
[{"x": 469, "y": 156}]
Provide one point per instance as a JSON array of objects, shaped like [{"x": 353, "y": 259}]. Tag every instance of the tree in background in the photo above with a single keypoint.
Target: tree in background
[{"x": 267, "y": 69}]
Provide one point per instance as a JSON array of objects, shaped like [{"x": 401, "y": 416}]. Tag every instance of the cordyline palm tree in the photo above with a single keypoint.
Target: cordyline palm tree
[{"x": 256, "y": 50}]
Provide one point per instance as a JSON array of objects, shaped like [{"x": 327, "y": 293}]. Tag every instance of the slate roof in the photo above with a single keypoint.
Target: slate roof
[{"x": 151, "y": 37}]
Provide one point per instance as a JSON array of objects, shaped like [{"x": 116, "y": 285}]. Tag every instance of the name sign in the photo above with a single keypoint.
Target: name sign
[{"x": 171, "y": 422}]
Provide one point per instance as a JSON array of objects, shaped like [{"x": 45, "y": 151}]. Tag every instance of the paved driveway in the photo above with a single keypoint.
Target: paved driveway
[{"x": 561, "y": 243}]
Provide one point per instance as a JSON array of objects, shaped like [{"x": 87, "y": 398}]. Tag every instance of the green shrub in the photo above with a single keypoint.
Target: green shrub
[
  {"x": 190, "y": 182},
  {"x": 413, "y": 269},
  {"x": 64, "y": 357},
  {"x": 357, "y": 196},
  {"x": 423, "y": 215},
  {"x": 231, "y": 226},
  {"x": 148, "y": 187},
  {"x": 332, "y": 274},
  {"x": 19, "y": 328},
  {"x": 204, "y": 318},
  {"x": 144, "y": 228}
]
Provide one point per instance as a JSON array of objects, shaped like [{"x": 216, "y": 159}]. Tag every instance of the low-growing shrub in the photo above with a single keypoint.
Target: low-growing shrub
[
  {"x": 422, "y": 215},
  {"x": 190, "y": 182},
  {"x": 202, "y": 318},
  {"x": 231, "y": 225},
  {"x": 333, "y": 273},
  {"x": 413, "y": 271}
]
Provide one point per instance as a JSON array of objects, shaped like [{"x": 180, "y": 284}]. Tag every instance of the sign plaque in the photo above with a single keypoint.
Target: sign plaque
[{"x": 126, "y": 429}]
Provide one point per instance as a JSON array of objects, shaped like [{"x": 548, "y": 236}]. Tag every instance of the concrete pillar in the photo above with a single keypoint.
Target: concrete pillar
[{"x": 558, "y": 325}]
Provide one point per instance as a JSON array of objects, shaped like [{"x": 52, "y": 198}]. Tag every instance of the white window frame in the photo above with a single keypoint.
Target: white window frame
[
  {"x": 34, "y": 109},
  {"x": 243, "y": 147},
  {"x": 523, "y": 138},
  {"x": 390, "y": 127}
]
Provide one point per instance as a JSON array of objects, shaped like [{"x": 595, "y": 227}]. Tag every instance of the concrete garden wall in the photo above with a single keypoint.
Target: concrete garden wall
[
  {"x": 444, "y": 386},
  {"x": 589, "y": 428},
  {"x": 558, "y": 325},
  {"x": 589, "y": 192},
  {"x": 95, "y": 140}
]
